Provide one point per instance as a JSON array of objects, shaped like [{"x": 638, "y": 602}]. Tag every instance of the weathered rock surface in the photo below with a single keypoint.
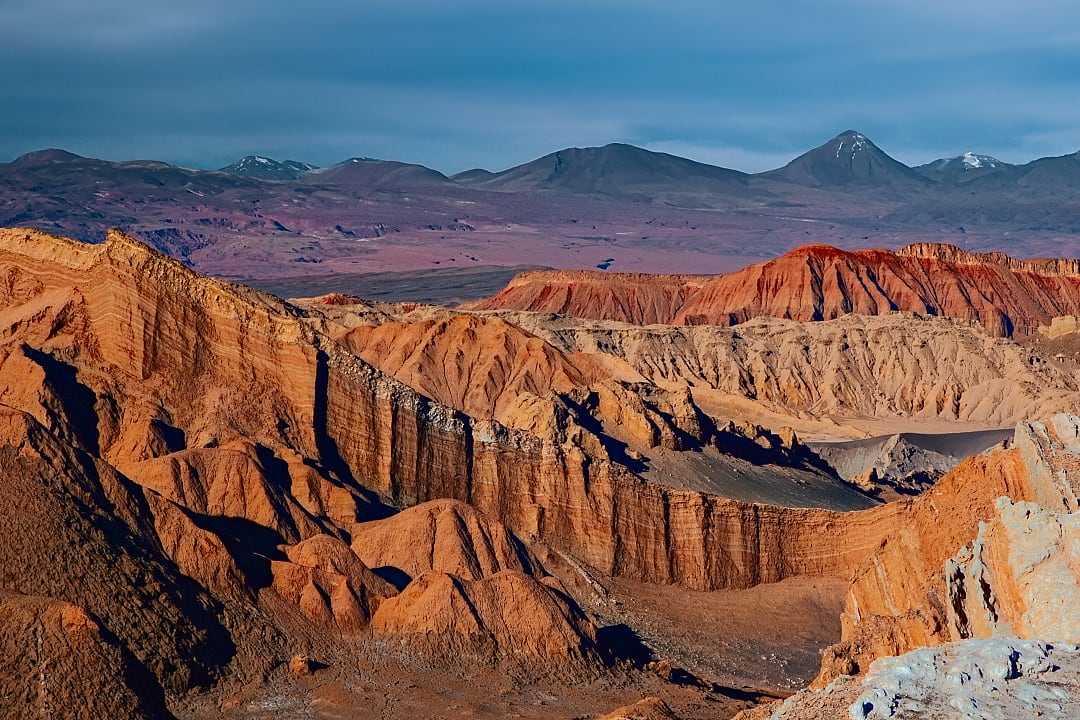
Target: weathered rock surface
[
  {"x": 625, "y": 297},
  {"x": 55, "y": 661},
  {"x": 1060, "y": 326},
  {"x": 650, "y": 708},
  {"x": 329, "y": 584},
  {"x": 205, "y": 472},
  {"x": 478, "y": 365},
  {"x": 508, "y": 620},
  {"x": 76, "y": 532},
  {"x": 1020, "y": 576},
  {"x": 999, "y": 678},
  {"x": 819, "y": 282},
  {"x": 885, "y": 367},
  {"x": 446, "y": 536},
  {"x": 912, "y": 591}
]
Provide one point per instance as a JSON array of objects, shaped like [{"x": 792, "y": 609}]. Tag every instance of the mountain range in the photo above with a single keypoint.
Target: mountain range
[
  {"x": 849, "y": 159},
  {"x": 617, "y": 206}
]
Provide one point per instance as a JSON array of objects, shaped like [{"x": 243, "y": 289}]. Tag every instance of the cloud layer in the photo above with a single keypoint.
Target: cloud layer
[{"x": 482, "y": 83}]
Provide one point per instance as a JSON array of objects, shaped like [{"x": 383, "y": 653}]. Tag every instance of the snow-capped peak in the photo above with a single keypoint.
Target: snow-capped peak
[
  {"x": 853, "y": 141},
  {"x": 973, "y": 161}
]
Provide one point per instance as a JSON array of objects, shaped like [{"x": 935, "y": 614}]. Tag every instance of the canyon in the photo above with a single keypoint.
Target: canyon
[{"x": 245, "y": 503}]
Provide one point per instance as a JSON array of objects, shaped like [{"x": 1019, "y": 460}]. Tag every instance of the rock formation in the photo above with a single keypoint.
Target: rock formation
[
  {"x": 445, "y": 536},
  {"x": 509, "y": 620},
  {"x": 478, "y": 365},
  {"x": 889, "y": 367},
  {"x": 1002, "y": 678},
  {"x": 922, "y": 586},
  {"x": 624, "y": 297},
  {"x": 818, "y": 282},
  {"x": 1019, "y": 577},
  {"x": 202, "y": 481},
  {"x": 650, "y": 708}
]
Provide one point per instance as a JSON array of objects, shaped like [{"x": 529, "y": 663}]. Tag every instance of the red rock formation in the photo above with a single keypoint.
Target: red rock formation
[
  {"x": 819, "y": 282},
  {"x": 627, "y": 297},
  {"x": 444, "y": 536},
  {"x": 508, "y": 620},
  {"x": 55, "y": 661},
  {"x": 650, "y": 708},
  {"x": 329, "y": 584},
  {"x": 479, "y": 365}
]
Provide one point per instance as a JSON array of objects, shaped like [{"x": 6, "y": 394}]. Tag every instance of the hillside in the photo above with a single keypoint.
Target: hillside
[
  {"x": 618, "y": 170},
  {"x": 1005, "y": 295}
]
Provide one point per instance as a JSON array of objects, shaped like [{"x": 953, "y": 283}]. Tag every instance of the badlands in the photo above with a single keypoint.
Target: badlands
[{"x": 832, "y": 485}]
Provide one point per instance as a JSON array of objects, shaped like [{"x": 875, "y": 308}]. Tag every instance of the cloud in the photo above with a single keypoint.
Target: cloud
[{"x": 478, "y": 82}]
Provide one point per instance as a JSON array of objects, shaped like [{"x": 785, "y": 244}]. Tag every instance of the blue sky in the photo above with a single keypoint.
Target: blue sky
[{"x": 472, "y": 83}]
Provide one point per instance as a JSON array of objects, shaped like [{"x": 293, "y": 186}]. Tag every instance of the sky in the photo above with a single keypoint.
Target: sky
[{"x": 482, "y": 83}]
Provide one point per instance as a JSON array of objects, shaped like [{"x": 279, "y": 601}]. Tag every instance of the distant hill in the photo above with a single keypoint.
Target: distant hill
[
  {"x": 817, "y": 282},
  {"x": 264, "y": 168},
  {"x": 474, "y": 175},
  {"x": 617, "y": 170},
  {"x": 963, "y": 168},
  {"x": 849, "y": 160},
  {"x": 369, "y": 173}
]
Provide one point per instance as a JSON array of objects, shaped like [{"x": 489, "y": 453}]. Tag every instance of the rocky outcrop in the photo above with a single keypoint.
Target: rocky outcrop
[
  {"x": 886, "y": 367},
  {"x": 329, "y": 584},
  {"x": 921, "y": 585},
  {"x": 896, "y": 600},
  {"x": 819, "y": 282},
  {"x": 508, "y": 620},
  {"x": 650, "y": 708},
  {"x": 625, "y": 297},
  {"x": 446, "y": 536},
  {"x": 56, "y": 661},
  {"x": 1020, "y": 576},
  {"x": 76, "y": 532},
  {"x": 1000, "y": 678}
]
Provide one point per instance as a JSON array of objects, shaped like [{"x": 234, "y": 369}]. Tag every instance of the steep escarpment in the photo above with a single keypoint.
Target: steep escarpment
[
  {"x": 181, "y": 367},
  {"x": 818, "y": 282},
  {"x": 493, "y": 369},
  {"x": 920, "y": 586},
  {"x": 221, "y": 482},
  {"x": 822, "y": 283}
]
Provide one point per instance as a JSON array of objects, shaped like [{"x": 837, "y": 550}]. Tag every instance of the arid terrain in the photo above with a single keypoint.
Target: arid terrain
[
  {"x": 297, "y": 230},
  {"x": 824, "y": 485}
]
